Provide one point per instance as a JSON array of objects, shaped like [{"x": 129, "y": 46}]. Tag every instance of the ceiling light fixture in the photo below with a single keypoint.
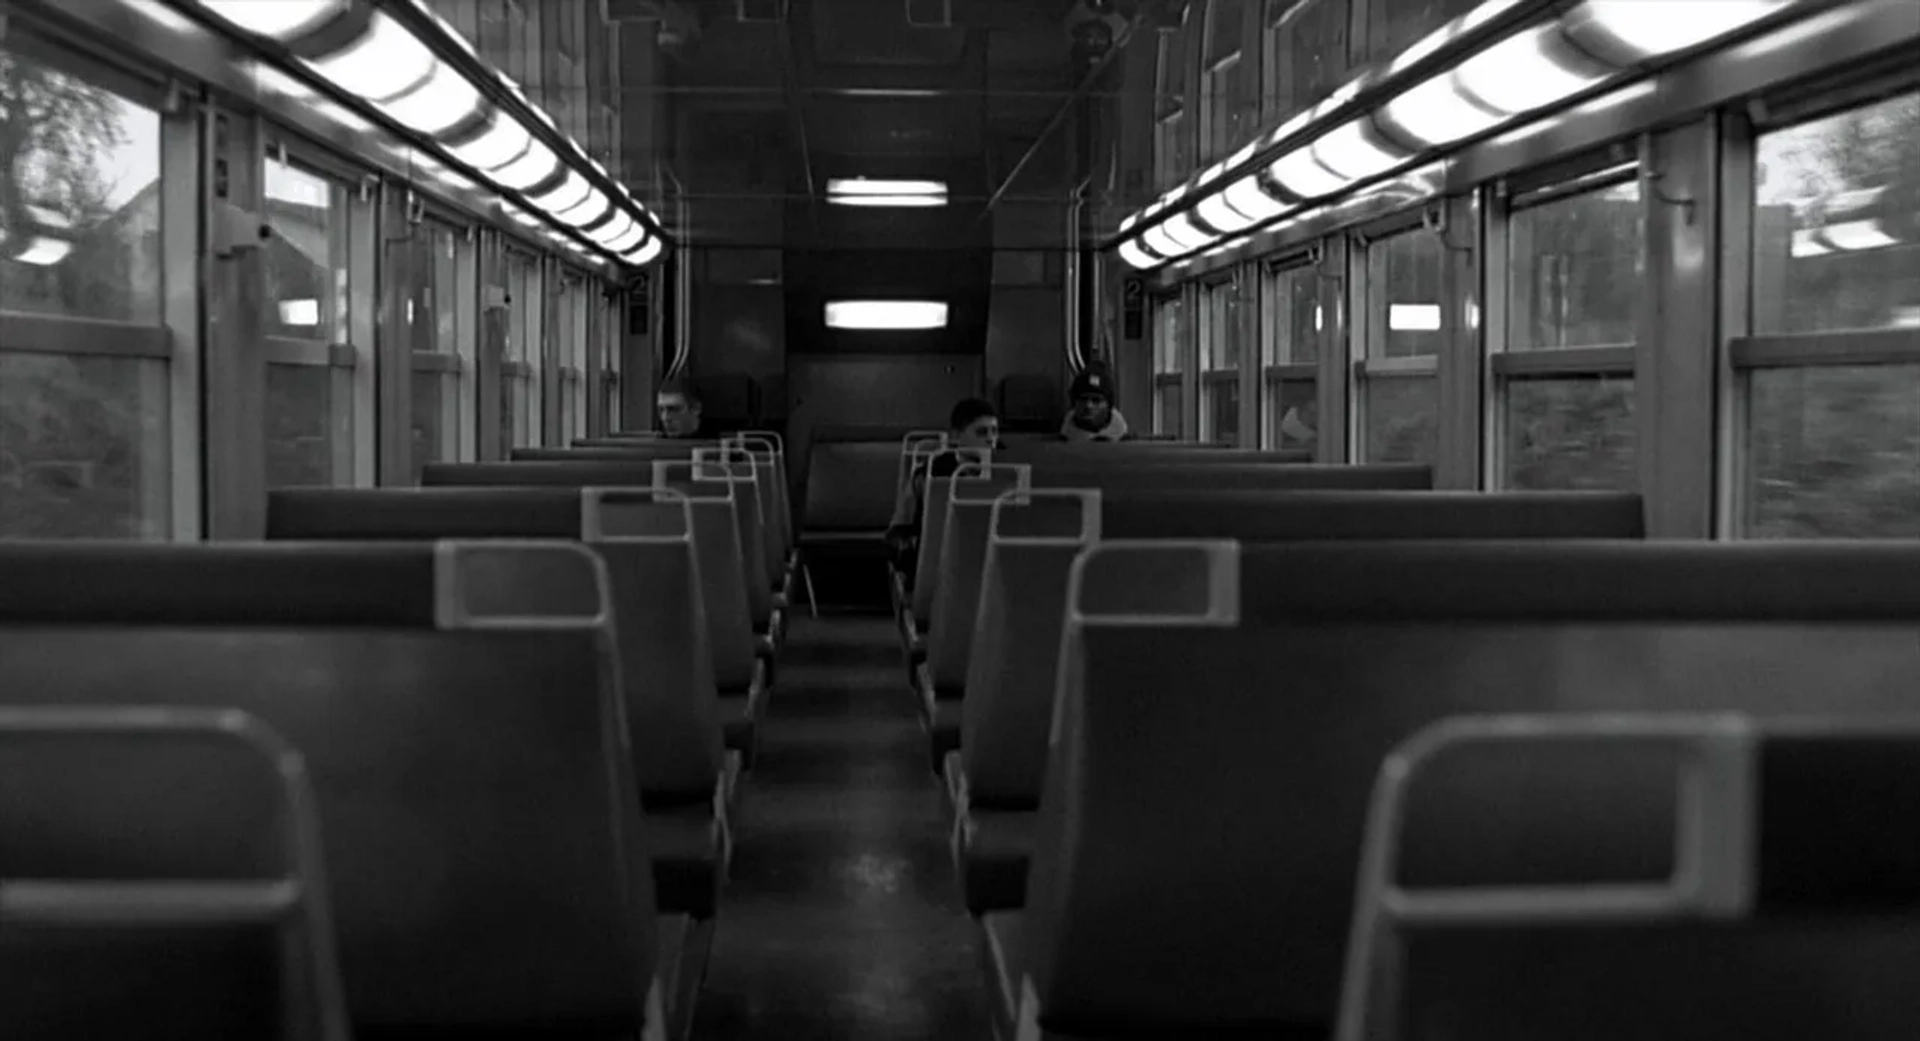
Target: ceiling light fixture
[
  {"x": 385, "y": 56},
  {"x": 886, "y": 314}
]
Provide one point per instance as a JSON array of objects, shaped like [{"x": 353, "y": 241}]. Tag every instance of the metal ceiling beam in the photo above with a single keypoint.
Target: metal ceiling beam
[
  {"x": 796, "y": 89},
  {"x": 1060, "y": 115}
]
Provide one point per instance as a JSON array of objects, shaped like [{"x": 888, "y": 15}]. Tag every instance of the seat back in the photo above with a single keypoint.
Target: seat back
[
  {"x": 1276, "y": 516},
  {"x": 916, "y": 447},
  {"x": 715, "y": 539},
  {"x": 769, "y": 452},
  {"x": 162, "y": 879},
  {"x": 975, "y": 466},
  {"x": 711, "y": 490},
  {"x": 1033, "y": 538},
  {"x": 851, "y": 485},
  {"x": 1003, "y": 737},
  {"x": 1102, "y": 453},
  {"x": 1657, "y": 874},
  {"x": 665, "y": 448},
  {"x": 458, "y": 706},
  {"x": 956, "y": 574},
  {"x": 1195, "y": 472},
  {"x": 1342, "y": 650},
  {"x": 667, "y": 676},
  {"x": 754, "y": 472}
]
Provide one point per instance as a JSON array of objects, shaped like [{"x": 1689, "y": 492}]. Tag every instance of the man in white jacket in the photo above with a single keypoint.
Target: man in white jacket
[{"x": 1093, "y": 417}]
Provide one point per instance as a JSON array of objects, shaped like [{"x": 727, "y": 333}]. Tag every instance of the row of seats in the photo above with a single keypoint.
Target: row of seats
[
  {"x": 514, "y": 707},
  {"x": 1176, "y": 683}
]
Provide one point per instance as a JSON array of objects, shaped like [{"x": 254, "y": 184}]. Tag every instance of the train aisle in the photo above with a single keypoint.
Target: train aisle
[{"x": 841, "y": 919}]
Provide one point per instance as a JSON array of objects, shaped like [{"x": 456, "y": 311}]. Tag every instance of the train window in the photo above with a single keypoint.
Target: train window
[
  {"x": 607, "y": 341},
  {"x": 1172, "y": 151},
  {"x": 1394, "y": 27},
  {"x": 1220, "y": 362},
  {"x": 310, "y": 413},
  {"x": 442, "y": 348},
  {"x": 1295, "y": 318},
  {"x": 84, "y": 357},
  {"x": 1224, "y": 111},
  {"x": 520, "y": 416},
  {"x": 1169, "y": 361},
  {"x": 1399, "y": 389},
  {"x": 1306, "y": 54},
  {"x": 1832, "y": 373},
  {"x": 571, "y": 335},
  {"x": 1564, "y": 377}
]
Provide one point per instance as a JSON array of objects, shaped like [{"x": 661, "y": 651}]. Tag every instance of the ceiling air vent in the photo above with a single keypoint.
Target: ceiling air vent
[
  {"x": 930, "y": 14},
  {"x": 760, "y": 10}
]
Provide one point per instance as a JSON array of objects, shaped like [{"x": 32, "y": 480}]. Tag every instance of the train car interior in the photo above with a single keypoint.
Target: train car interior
[{"x": 959, "y": 520}]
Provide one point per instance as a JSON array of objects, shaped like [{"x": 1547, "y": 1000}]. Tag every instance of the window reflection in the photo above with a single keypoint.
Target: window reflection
[
  {"x": 1298, "y": 318},
  {"x": 84, "y": 437},
  {"x": 1834, "y": 451},
  {"x": 1575, "y": 271},
  {"x": 1413, "y": 316},
  {"x": 80, "y": 199},
  {"x": 1574, "y": 434},
  {"x": 1836, "y": 238},
  {"x": 1402, "y": 415},
  {"x": 306, "y": 259}
]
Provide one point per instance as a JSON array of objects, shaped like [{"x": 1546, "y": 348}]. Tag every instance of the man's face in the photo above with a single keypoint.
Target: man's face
[
  {"x": 1092, "y": 411},
  {"x": 678, "y": 416},
  {"x": 981, "y": 433}
]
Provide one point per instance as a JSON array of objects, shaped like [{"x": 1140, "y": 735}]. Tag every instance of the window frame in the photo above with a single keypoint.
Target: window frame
[
  {"x": 174, "y": 338},
  {"x": 1210, "y": 325},
  {"x": 1276, "y": 275},
  {"x": 1504, "y": 364},
  {"x": 341, "y": 354},
  {"x": 1744, "y": 352},
  {"x": 1174, "y": 377},
  {"x": 455, "y": 368},
  {"x": 1369, "y": 361}
]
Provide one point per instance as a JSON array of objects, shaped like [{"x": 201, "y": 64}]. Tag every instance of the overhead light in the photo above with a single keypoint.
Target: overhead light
[
  {"x": 1421, "y": 318},
  {"x": 860, "y": 191},
  {"x": 1857, "y": 235},
  {"x": 1220, "y": 214},
  {"x": 44, "y": 252},
  {"x": 1157, "y": 240},
  {"x": 300, "y": 312},
  {"x": 1537, "y": 65},
  {"x": 886, "y": 314},
  {"x": 1670, "y": 26},
  {"x": 279, "y": 20},
  {"x": 385, "y": 64},
  {"x": 901, "y": 201},
  {"x": 864, "y": 186},
  {"x": 1135, "y": 256},
  {"x": 1181, "y": 229}
]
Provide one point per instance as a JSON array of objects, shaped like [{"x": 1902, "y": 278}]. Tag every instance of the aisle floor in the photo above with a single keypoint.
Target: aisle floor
[{"x": 841, "y": 920}]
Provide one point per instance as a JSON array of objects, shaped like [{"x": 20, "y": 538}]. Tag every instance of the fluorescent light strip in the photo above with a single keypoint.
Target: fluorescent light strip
[
  {"x": 45, "y": 252},
  {"x": 279, "y": 20},
  {"x": 1514, "y": 76},
  {"x": 390, "y": 68},
  {"x": 863, "y": 186},
  {"x": 384, "y": 63},
  {"x": 1136, "y": 257},
  {"x": 892, "y": 201},
  {"x": 886, "y": 314},
  {"x": 1654, "y": 29}
]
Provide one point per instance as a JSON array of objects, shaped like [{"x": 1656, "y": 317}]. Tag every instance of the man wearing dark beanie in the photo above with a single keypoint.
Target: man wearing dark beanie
[{"x": 1093, "y": 417}]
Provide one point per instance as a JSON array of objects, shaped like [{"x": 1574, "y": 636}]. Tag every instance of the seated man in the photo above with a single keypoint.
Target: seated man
[
  {"x": 1093, "y": 417},
  {"x": 972, "y": 424},
  {"x": 678, "y": 404}
]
